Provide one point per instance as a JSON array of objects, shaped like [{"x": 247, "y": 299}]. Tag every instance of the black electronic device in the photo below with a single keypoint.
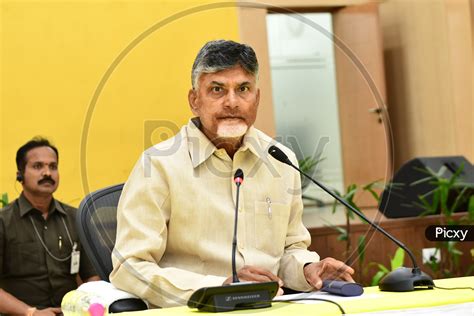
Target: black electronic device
[
  {"x": 400, "y": 280},
  {"x": 401, "y": 196},
  {"x": 19, "y": 176},
  {"x": 234, "y": 296},
  {"x": 127, "y": 305},
  {"x": 342, "y": 288},
  {"x": 237, "y": 295}
]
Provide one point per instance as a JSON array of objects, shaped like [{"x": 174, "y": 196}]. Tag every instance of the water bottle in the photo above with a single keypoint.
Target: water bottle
[{"x": 79, "y": 303}]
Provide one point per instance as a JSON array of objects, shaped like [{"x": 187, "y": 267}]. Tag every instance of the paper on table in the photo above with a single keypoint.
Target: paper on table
[
  {"x": 323, "y": 295},
  {"x": 106, "y": 291}
]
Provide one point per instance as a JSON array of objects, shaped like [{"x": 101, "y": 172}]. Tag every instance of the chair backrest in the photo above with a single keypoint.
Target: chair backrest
[{"x": 97, "y": 225}]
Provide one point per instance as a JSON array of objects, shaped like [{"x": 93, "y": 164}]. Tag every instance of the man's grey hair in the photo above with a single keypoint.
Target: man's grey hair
[{"x": 219, "y": 55}]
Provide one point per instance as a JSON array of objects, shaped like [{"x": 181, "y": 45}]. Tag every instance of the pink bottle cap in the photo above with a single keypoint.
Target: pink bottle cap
[{"x": 96, "y": 309}]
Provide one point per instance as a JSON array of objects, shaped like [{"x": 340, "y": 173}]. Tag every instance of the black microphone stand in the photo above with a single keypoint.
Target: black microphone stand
[
  {"x": 400, "y": 280},
  {"x": 235, "y": 279}
]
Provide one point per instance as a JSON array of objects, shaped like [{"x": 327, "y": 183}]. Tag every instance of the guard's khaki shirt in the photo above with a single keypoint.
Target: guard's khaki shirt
[{"x": 176, "y": 217}]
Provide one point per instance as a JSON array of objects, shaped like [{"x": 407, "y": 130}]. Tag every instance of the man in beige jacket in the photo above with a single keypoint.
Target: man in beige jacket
[{"x": 176, "y": 212}]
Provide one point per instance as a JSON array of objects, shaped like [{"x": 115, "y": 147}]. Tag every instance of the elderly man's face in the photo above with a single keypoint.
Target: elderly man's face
[{"x": 226, "y": 102}]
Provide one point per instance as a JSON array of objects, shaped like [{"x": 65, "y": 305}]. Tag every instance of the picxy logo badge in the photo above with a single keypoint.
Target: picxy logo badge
[{"x": 450, "y": 233}]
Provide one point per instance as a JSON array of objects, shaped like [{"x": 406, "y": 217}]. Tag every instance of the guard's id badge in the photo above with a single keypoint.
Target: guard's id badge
[{"x": 75, "y": 259}]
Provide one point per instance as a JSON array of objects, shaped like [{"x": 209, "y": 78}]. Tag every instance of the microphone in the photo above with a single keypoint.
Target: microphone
[
  {"x": 237, "y": 295},
  {"x": 400, "y": 280},
  {"x": 238, "y": 179}
]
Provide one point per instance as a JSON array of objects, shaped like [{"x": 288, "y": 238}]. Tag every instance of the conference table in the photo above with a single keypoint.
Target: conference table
[{"x": 431, "y": 302}]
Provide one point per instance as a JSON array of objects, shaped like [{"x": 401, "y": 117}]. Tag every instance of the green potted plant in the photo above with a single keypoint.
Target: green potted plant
[
  {"x": 446, "y": 197},
  {"x": 4, "y": 200}
]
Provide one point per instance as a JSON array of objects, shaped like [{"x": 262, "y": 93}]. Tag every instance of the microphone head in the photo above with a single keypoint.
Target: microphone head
[
  {"x": 239, "y": 176},
  {"x": 279, "y": 155}
]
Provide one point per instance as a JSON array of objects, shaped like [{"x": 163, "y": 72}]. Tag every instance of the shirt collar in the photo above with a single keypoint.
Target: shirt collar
[
  {"x": 26, "y": 207},
  {"x": 252, "y": 143},
  {"x": 201, "y": 148}
]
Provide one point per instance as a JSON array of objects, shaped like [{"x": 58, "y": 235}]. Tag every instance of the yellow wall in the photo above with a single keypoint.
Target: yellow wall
[{"x": 53, "y": 57}]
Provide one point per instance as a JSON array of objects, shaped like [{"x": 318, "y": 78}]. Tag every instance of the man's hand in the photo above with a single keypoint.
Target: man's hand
[
  {"x": 254, "y": 274},
  {"x": 328, "y": 268},
  {"x": 51, "y": 311},
  {"x": 13, "y": 306}
]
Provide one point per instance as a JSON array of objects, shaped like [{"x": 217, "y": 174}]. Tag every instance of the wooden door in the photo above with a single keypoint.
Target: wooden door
[
  {"x": 365, "y": 136},
  {"x": 365, "y": 146}
]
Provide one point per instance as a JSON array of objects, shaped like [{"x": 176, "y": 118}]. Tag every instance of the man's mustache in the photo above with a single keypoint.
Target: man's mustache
[
  {"x": 231, "y": 113},
  {"x": 230, "y": 116},
  {"x": 47, "y": 179}
]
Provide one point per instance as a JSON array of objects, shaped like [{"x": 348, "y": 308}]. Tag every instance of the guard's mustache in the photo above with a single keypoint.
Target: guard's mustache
[{"x": 47, "y": 179}]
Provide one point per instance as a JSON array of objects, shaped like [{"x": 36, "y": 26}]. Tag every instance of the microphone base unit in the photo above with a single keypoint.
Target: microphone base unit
[
  {"x": 405, "y": 280},
  {"x": 236, "y": 296}
]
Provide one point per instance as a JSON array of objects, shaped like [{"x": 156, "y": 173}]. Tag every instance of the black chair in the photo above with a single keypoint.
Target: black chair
[
  {"x": 97, "y": 225},
  {"x": 96, "y": 222}
]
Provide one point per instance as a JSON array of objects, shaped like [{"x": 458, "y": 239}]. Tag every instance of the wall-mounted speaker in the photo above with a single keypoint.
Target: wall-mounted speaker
[{"x": 401, "y": 197}]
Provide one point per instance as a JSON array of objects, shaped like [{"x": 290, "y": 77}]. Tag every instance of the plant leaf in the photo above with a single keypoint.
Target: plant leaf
[
  {"x": 370, "y": 188},
  {"x": 458, "y": 199},
  {"x": 340, "y": 229},
  {"x": 470, "y": 208},
  {"x": 361, "y": 248},
  {"x": 427, "y": 171},
  {"x": 397, "y": 260},
  {"x": 334, "y": 207},
  {"x": 429, "y": 208},
  {"x": 335, "y": 203},
  {"x": 423, "y": 180},
  {"x": 308, "y": 163},
  {"x": 342, "y": 232},
  {"x": 4, "y": 199},
  {"x": 444, "y": 193},
  {"x": 383, "y": 268},
  {"x": 377, "y": 277},
  {"x": 455, "y": 176},
  {"x": 441, "y": 171}
]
